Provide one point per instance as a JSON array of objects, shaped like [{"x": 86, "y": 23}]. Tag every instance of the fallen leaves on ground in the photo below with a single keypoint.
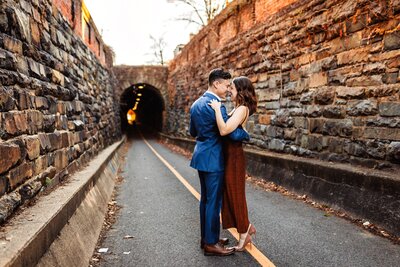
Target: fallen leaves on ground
[
  {"x": 112, "y": 209},
  {"x": 370, "y": 227}
]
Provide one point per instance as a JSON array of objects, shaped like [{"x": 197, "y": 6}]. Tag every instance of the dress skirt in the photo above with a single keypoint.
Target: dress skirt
[{"x": 234, "y": 206}]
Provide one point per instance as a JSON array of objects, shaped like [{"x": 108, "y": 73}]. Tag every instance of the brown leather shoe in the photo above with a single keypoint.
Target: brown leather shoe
[
  {"x": 223, "y": 242},
  {"x": 217, "y": 250}
]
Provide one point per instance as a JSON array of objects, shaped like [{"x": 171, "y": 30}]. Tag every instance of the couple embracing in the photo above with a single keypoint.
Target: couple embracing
[{"x": 219, "y": 158}]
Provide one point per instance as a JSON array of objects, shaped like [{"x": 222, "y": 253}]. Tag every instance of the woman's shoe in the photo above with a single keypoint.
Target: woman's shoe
[{"x": 246, "y": 238}]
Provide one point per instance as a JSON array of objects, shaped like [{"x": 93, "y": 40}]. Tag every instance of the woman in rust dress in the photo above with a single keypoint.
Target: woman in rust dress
[{"x": 234, "y": 207}]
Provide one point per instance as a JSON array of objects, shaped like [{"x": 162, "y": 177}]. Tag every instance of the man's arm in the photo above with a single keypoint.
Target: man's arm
[
  {"x": 239, "y": 134},
  {"x": 192, "y": 129}
]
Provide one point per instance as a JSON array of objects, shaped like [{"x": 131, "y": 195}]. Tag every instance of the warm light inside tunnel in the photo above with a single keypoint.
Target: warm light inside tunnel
[
  {"x": 131, "y": 116},
  {"x": 142, "y": 106}
]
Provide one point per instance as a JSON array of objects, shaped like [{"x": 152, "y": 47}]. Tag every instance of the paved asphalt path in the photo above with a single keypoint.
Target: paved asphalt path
[{"x": 163, "y": 217}]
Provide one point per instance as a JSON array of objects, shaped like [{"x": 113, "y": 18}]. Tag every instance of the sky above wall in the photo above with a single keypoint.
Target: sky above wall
[{"x": 126, "y": 26}]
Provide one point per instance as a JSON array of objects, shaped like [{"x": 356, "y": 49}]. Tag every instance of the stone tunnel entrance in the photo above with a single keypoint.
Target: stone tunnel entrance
[{"x": 142, "y": 107}]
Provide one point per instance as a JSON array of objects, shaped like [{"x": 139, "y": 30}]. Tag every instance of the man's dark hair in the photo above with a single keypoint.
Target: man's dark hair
[{"x": 217, "y": 74}]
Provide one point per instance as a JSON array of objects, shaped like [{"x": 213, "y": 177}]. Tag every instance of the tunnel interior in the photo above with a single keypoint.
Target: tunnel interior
[{"x": 142, "y": 107}]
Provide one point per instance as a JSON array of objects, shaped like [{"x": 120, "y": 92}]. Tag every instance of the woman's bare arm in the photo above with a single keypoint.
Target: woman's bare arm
[{"x": 232, "y": 123}]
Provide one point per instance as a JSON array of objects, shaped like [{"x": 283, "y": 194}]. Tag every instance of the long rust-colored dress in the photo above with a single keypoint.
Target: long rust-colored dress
[{"x": 234, "y": 206}]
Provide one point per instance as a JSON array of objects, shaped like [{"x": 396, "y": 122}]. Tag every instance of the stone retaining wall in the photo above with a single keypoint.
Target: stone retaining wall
[
  {"x": 57, "y": 106},
  {"x": 326, "y": 75}
]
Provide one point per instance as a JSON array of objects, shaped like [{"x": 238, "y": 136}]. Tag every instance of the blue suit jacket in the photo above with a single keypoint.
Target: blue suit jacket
[{"x": 207, "y": 154}]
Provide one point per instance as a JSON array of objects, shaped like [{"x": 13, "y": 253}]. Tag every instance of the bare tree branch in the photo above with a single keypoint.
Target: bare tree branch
[
  {"x": 158, "y": 47},
  {"x": 204, "y": 10}
]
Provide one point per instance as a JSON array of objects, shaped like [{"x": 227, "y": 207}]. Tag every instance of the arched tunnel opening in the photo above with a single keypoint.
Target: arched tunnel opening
[{"x": 142, "y": 107}]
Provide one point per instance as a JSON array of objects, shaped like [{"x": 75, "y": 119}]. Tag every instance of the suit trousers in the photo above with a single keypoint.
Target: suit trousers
[{"x": 212, "y": 184}]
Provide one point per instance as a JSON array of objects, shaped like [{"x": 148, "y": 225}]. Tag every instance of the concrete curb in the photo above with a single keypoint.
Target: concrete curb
[
  {"x": 366, "y": 193},
  {"x": 30, "y": 234}
]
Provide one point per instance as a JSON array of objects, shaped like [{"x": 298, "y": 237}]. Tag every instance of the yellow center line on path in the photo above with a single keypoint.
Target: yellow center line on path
[{"x": 251, "y": 248}]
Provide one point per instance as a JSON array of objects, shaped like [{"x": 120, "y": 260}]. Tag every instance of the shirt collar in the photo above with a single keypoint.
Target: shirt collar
[{"x": 219, "y": 99}]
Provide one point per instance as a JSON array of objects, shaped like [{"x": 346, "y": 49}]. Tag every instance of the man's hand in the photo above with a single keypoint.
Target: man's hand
[{"x": 215, "y": 104}]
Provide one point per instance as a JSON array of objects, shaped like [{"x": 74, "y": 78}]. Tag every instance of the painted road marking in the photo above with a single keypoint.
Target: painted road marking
[{"x": 251, "y": 248}]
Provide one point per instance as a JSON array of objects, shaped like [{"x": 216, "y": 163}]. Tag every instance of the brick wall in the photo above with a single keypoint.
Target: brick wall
[
  {"x": 57, "y": 106},
  {"x": 79, "y": 19},
  {"x": 326, "y": 75}
]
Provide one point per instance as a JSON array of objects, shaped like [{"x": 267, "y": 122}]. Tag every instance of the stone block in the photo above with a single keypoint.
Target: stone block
[
  {"x": 32, "y": 144},
  {"x": 391, "y": 77},
  {"x": 307, "y": 98},
  {"x": 389, "y": 109},
  {"x": 289, "y": 134},
  {"x": 274, "y": 131},
  {"x": 3, "y": 185},
  {"x": 312, "y": 111},
  {"x": 8, "y": 60},
  {"x": 49, "y": 123},
  {"x": 41, "y": 103},
  {"x": 45, "y": 144},
  {"x": 362, "y": 108},
  {"x": 353, "y": 56},
  {"x": 380, "y": 91},
  {"x": 40, "y": 165},
  {"x": 335, "y": 145},
  {"x": 264, "y": 119},
  {"x": 393, "y": 152},
  {"x": 267, "y": 95},
  {"x": 35, "y": 119},
  {"x": 36, "y": 69},
  {"x": 61, "y": 122},
  {"x": 60, "y": 159},
  {"x": 65, "y": 139},
  {"x": 23, "y": 99},
  {"x": 272, "y": 105},
  {"x": 300, "y": 122},
  {"x": 376, "y": 149},
  {"x": 342, "y": 128},
  {"x": 55, "y": 140},
  {"x": 324, "y": 97},
  {"x": 79, "y": 106},
  {"x": 22, "y": 65},
  {"x": 19, "y": 174},
  {"x": 318, "y": 79},
  {"x": 13, "y": 45},
  {"x": 6, "y": 100},
  {"x": 13, "y": 156},
  {"x": 350, "y": 92},
  {"x": 384, "y": 122},
  {"x": 374, "y": 68},
  {"x": 374, "y": 80},
  {"x": 30, "y": 189},
  {"x": 276, "y": 144},
  {"x": 335, "y": 112},
  {"x": 8, "y": 204},
  {"x": 61, "y": 108},
  {"x": 282, "y": 118},
  {"x": 316, "y": 125},
  {"x": 57, "y": 78},
  {"x": 15, "y": 123},
  {"x": 35, "y": 33},
  {"x": 357, "y": 149},
  {"x": 382, "y": 133},
  {"x": 3, "y": 22},
  {"x": 315, "y": 142},
  {"x": 391, "y": 41}
]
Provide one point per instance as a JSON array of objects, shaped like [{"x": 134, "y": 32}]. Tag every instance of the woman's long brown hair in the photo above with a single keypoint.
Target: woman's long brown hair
[{"x": 246, "y": 95}]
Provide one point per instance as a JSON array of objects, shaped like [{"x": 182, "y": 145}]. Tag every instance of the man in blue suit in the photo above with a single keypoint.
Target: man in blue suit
[{"x": 209, "y": 161}]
